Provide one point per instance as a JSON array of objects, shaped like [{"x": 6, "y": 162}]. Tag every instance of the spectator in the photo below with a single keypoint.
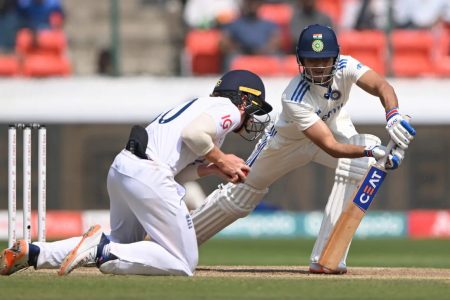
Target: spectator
[
  {"x": 41, "y": 14},
  {"x": 365, "y": 14},
  {"x": 306, "y": 13},
  {"x": 9, "y": 24},
  {"x": 250, "y": 34},
  {"x": 419, "y": 14},
  {"x": 209, "y": 14}
]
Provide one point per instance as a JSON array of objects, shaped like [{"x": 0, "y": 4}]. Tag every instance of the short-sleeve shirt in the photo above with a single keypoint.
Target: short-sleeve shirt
[
  {"x": 164, "y": 133},
  {"x": 313, "y": 102},
  {"x": 251, "y": 34}
]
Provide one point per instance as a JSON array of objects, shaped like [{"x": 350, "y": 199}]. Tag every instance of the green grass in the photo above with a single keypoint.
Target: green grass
[
  {"x": 138, "y": 287},
  {"x": 371, "y": 252},
  {"x": 380, "y": 253}
]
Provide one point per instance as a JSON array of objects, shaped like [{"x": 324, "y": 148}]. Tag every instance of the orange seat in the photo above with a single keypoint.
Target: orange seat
[
  {"x": 52, "y": 41},
  {"x": 263, "y": 65},
  {"x": 47, "y": 41},
  {"x": 44, "y": 65},
  {"x": 290, "y": 65},
  {"x": 333, "y": 8},
  {"x": 43, "y": 54},
  {"x": 9, "y": 65},
  {"x": 24, "y": 41},
  {"x": 442, "y": 59},
  {"x": 202, "y": 51},
  {"x": 412, "y": 52},
  {"x": 367, "y": 46},
  {"x": 280, "y": 14}
]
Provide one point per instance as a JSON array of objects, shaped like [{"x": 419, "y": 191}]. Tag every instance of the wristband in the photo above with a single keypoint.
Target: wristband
[{"x": 392, "y": 112}]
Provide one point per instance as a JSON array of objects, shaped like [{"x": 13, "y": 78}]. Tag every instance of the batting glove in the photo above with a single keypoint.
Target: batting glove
[
  {"x": 394, "y": 158},
  {"x": 399, "y": 129},
  {"x": 375, "y": 151}
]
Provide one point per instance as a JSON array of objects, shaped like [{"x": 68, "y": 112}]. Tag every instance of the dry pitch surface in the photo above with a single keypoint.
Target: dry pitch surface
[{"x": 298, "y": 272}]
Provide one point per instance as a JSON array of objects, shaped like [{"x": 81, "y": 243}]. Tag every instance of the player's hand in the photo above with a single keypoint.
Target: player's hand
[
  {"x": 375, "y": 151},
  {"x": 394, "y": 158},
  {"x": 399, "y": 129},
  {"x": 233, "y": 167}
]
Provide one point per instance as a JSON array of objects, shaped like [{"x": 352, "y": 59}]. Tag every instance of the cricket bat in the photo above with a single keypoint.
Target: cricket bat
[{"x": 351, "y": 217}]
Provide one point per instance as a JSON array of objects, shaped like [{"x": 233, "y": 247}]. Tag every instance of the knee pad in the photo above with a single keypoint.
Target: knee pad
[{"x": 224, "y": 206}]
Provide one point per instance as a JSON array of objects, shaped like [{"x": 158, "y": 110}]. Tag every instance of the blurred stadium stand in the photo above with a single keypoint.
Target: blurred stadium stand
[
  {"x": 43, "y": 55},
  {"x": 153, "y": 38},
  {"x": 387, "y": 52},
  {"x": 201, "y": 52},
  {"x": 368, "y": 46},
  {"x": 280, "y": 14},
  {"x": 412, "y": 52}
]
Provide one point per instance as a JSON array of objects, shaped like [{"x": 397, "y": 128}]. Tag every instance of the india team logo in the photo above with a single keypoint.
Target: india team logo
[
  {"x": 335, "y": 95},
  {"x": 317, "y": 45}
]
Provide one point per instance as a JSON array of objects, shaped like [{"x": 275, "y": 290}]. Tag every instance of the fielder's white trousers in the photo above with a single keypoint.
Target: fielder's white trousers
[{"x": 145, "y": 200}]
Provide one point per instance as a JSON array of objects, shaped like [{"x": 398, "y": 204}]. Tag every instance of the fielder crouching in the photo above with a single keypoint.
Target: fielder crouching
[
  {"x": 313, "y": 126},
  {"x": 146, "y": 197}
]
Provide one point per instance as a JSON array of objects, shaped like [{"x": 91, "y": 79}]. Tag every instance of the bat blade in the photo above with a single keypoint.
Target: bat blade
[{"x": 350, "y": 219}]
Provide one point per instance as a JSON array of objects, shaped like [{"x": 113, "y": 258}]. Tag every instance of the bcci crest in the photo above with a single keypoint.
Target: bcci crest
[{"x": 317, "y": 44}]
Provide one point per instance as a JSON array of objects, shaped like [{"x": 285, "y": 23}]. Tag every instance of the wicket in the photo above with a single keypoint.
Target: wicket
[{"x": 27, "y": 188}]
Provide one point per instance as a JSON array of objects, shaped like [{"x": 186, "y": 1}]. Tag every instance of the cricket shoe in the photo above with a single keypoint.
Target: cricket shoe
[
  {"x": 15, "y": 258},
  {"x": 90, "y": 250},
  {"x": 317, "y": 268}
]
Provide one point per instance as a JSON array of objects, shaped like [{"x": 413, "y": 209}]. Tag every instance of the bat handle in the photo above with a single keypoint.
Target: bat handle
[{"x": 389, "y": 147}]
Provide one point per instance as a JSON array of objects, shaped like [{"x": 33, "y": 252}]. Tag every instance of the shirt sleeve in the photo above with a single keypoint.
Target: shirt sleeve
[
  {"x": 302, "y": 115},
  {"x": 353, "y": 69},
  {"x": 226, "y": 117}
]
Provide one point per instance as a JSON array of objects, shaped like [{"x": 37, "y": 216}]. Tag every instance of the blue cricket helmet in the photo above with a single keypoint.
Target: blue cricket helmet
[
  {"x": 248, "y": 82},
  {"x": 245, "y": 87},
  {"x": 317, "y": 41}
]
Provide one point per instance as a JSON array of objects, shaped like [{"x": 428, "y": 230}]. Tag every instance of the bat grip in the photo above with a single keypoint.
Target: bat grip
[{"x": 389, "y": 147}]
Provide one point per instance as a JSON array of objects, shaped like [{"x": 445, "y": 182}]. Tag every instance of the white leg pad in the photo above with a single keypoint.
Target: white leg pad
[
  {"x": 349, "y": 173},
  {"x": 224, "y": 206}
]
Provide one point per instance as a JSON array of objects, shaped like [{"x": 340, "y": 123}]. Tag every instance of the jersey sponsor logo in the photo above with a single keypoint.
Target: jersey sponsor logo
[
  {"x": 226, "y": 122},
  {"x": 328, "y": 115},
  {"x": 368, "y": 189}
]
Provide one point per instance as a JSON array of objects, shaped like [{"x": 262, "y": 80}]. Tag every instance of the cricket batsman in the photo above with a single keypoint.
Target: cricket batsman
[{"x": 313, "y": 126}]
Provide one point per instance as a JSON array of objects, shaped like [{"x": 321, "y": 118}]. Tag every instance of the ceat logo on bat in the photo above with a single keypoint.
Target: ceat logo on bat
[{"x": 369, "y": 188}]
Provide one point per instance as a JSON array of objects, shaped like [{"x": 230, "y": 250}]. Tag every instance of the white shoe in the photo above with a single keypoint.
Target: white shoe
[
  {"x": 316, "y": 268},
  {"x": 84, "y": 253}
]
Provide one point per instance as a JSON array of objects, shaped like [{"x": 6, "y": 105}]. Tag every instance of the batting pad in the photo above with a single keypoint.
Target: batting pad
[
  {"x": 349, "y": 173},
  {"x": 224, "y": 206}
]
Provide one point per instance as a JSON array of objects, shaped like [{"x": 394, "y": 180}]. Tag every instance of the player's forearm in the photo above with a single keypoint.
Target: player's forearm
[
  {"x": 339, "y": 150},
  {"x": 215, "y": 156},
  {"x": 387, "y": 96},
  {"x": 320, "y": 134}
]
